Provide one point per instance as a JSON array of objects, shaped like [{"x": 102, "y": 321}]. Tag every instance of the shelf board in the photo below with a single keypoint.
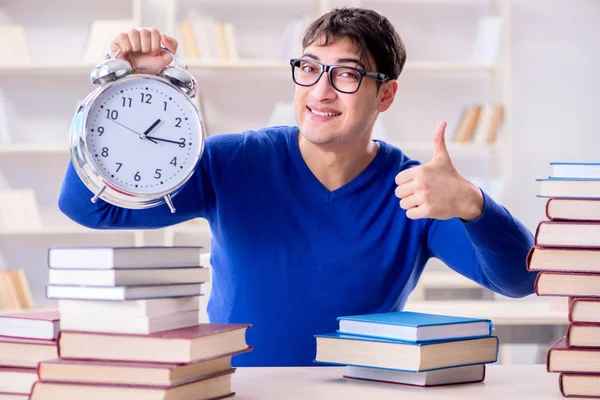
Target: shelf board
[
  {"x": 250, "y": 64},
  {"x": 65, "y": 230},
  {"x": 35, "y": 148},
  {"x": 455, "y": 149}
]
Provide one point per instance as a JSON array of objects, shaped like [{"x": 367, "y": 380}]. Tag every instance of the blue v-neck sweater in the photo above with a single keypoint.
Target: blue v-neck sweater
[{"x": 290, "y": 256}]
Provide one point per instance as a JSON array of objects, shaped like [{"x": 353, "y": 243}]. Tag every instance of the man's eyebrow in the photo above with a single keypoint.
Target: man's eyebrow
[
  {"x": 351, "y": 60},
  {"x": 346, "y": 60}
]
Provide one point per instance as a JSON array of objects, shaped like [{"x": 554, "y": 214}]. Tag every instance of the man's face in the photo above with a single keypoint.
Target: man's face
[{"x": 327, "y": 116}]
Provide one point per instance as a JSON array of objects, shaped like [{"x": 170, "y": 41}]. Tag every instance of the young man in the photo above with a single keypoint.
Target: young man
[{"x": 306, "y": 220}]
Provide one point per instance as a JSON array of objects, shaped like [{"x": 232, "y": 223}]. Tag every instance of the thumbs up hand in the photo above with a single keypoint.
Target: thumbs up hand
[{"x": 436, "y": 189}]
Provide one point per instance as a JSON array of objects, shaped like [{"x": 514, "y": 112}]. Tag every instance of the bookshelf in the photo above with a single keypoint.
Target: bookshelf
[{"x": 38, "y": 98}]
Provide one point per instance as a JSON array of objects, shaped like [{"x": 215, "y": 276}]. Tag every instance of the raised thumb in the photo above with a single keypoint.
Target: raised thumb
[{"x": 439, "y": 142}]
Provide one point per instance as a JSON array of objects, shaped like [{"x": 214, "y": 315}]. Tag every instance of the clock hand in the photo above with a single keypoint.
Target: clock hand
[
  {"x": 145, "y": 134},
  {"x": 141, "y": 137},
  {"x": 165, "y": 140}
]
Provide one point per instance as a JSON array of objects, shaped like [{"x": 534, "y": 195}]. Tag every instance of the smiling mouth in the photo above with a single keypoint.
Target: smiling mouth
[{"x": 323, "y": 114}]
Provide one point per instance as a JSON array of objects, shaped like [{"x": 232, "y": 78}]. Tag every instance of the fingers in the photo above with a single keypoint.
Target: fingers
[
  {"x": 405, "y": 190},
  {"x": 170, "y": 43},
  {"x": 410, "y": 202},
  {"x": 134, "y": 40},
  {"x": 145, "y": 41},
  {"x": 154, "y": 42},
  {"x": 406, "y": 175},
  {"x": 121, "y": 42}
]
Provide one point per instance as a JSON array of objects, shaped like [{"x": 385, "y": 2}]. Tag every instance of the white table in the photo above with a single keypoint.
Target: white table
[{"x": 506, "y": 382}]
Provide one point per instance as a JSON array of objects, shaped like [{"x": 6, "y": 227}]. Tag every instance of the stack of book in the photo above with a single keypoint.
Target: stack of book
[
  {"x": 26, "y": 338},
  {"x": 411, "y": 348},
  {"x": 129, "y": 327},
  {"x": 566, "y": 255}
]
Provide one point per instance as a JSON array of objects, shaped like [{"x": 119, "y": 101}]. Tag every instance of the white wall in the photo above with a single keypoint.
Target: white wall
[{"x": 556, "y": 92}]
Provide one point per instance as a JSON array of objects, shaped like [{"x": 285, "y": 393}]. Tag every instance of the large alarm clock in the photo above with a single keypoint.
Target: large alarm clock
[{"x": 137, "y": 139}]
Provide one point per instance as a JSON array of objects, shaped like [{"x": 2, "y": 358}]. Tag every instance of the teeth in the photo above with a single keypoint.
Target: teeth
[{"x": 321, "y": 114}]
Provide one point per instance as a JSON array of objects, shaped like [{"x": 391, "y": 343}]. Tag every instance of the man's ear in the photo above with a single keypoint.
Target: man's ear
[{"x": 387, "y": 91}]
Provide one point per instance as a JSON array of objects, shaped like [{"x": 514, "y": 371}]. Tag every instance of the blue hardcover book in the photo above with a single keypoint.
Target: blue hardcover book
[
  {"x": 414, "y": 326},
  {"x": 574, "y": 170},
  {"x": 363, "y": 351}
]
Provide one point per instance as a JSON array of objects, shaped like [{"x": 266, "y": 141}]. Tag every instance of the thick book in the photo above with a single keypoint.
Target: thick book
[
  {"x": 131, "y": 308},
  {"x": 122, "y": 292},
  {"x": 118, "y": 323},
  {"x": 568, "y": 234},
  {"x": 363, "y": 351},
  {"x": 574, "y": 188},
  {"x": 131, "y": 373},
  {"x": 438, "y": 377},
  {"x": 583, "y": 335},
  {"x": 414, "y": 326},
  {"x": 30, "y": 324},
  {"x": 564, "y": 259},
  {"x": 572, "y": 284},
  {"x": 561, "y": 358},
  {"x": 580, "y": 385},
  {"x": 583, "y": 309},
  {"x": 128, "y": 277},
  {"x": 18, "y": 352},
  {"x": 573, "y": 209},
  {"x": 17, "y": 380},
  {"x": 124, "y": 257},
  {"x": 176, "y": 346},
  {"x": 214, "y": 387}
]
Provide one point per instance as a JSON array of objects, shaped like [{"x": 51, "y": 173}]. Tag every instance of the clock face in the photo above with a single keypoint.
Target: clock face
[{"x": 144, "y": 136}]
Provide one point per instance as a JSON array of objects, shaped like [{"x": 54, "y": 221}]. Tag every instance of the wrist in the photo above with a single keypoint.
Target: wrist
[{"x": 473, "y": 206}]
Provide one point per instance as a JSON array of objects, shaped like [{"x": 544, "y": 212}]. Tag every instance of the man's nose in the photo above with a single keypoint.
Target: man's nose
[{"x": 323, "y": 90}]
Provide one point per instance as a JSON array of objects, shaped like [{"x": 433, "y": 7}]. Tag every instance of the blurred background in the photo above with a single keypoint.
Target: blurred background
[{"x": 515, "y": 79}]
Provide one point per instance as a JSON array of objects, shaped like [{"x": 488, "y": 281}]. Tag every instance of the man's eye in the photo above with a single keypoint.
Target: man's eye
[{"x": 349, "y": 75}]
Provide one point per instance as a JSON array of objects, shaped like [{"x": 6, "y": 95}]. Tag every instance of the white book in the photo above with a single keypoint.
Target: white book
[
  {"x": 124, "y": 257},
  {"x": 127, "y": 324},
  {"x": 133, "y": 308},
  {"x": 122, "y": 292},
  {"x": 19, "y": 210},
  {"x": 444, "y": 376},
  {"x": 14, "y": 45},
  {"x": 128, "y": 277},
  {"x": 488, "y": 41}
]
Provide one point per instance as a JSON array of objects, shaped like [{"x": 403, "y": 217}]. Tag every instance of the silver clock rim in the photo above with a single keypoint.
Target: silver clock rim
[{"x": 91, "y": 175}]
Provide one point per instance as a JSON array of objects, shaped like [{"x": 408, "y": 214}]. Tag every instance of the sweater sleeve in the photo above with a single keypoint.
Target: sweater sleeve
[
  {"x": 491, "y": 250},
  {"x": 196, "y": 199}
]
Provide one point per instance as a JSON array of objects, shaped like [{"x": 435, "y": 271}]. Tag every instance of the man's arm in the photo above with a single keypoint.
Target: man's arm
[
  {"x": 491, "y": 250},
  {"x": 196, "y": 199},
  {"x": 467, "y": 230}
]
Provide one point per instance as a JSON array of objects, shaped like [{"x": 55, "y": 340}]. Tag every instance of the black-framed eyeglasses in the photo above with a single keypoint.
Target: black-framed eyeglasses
[{"x": 342, "y": 78}]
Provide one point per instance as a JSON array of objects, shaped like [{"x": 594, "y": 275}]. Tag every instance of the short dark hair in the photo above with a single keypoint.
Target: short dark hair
[{"x": 370, "y": 31}]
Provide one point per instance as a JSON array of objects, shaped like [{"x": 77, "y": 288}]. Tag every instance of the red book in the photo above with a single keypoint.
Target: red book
[
  {"x": 573, "y": 284},
  {"x": 584, "y": 310},
  {"x": 131, "y": 373},
  {"x": 573, "y": 209},
  {"x": 217, "y": 386},
  {"x": 561, "y": 358},
  {"x": 183, "y": 345},
  {"x": 568, "y": 234},
  {"x": 33, "y": 325},
  {"x": 580, "y": 385},
  {"x": 17, "y": 352},
  {"x": 17, "y": 380},
  {"x": 565, "y": 259}
]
